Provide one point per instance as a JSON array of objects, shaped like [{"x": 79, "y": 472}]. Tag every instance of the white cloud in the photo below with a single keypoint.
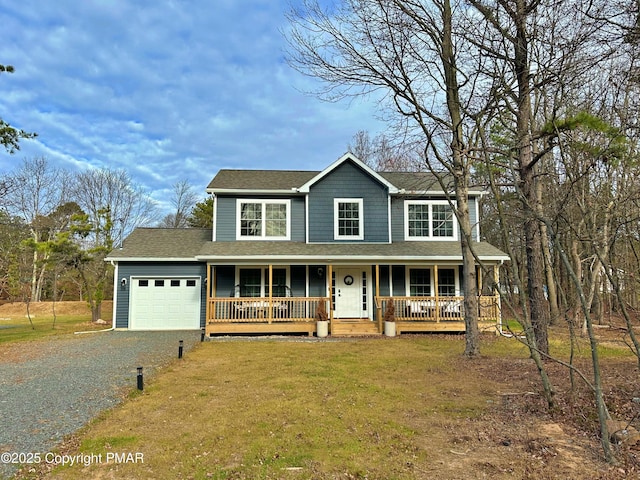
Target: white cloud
[{"x": 167, "y": 90}]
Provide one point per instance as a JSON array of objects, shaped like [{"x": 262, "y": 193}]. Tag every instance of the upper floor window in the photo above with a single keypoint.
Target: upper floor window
[
  {"x": 263, "y": 219},
  {"x": 347, "y": 219},
  {"x": 429, "y": 220}
]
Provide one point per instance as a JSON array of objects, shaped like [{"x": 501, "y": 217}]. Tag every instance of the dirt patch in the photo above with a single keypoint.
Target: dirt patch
[{"x": 19, "y": 309}]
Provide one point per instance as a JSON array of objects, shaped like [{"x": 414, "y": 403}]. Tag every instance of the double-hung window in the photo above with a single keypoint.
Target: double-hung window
[
  {"x": 421, "y": 285},
  {"x": 429, "y": 220},
  {"x": 263, "y": 219},
  {"x": 420, "y": 282},
  {"x": 446, "y": 282},
  {"x": 254, "y": 282},
  {"x": 348, "y": 219}
]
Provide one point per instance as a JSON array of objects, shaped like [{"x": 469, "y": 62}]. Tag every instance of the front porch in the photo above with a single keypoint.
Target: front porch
[{"x": 278, "y": 315}]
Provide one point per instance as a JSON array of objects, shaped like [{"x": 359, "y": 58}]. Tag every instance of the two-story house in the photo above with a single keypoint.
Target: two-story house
[{"x": 284, "y": 242}]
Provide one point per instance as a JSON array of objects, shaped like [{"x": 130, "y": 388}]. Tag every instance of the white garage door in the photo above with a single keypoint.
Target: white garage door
[{"x": 165, "y": 304}]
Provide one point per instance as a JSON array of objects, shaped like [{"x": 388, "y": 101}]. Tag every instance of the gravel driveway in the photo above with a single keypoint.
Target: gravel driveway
[{"x": 51, "y": 388}]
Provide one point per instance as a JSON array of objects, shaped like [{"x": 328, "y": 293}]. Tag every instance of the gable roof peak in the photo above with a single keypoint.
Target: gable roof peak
[{"x": 348, "y": 157}]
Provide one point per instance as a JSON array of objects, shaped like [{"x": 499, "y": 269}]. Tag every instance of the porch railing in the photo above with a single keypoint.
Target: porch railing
[
  {"x": 303, "y": 309},
  {"x": 437, "y": 309},
  {"x": 263, "y": 309}
]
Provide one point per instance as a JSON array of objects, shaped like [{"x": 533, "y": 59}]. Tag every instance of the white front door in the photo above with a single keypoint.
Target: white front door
[{"x": 350, "y": 293}]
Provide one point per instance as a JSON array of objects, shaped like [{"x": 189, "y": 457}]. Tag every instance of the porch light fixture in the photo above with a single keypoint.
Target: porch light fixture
[
  {"x": 320, "y": 271},
  {"x": 123, "y": 282}
]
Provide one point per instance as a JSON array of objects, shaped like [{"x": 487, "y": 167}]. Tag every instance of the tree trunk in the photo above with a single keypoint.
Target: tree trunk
[
  {"x": 552, "y": 291},
  {"x": 34, "y": 278},
  {"x": 96, "y": 311},
  {"x": 577, "y": 267},
  {"x": 472, "y": 335},
  {"x": 601, "y": 407},
  {"x": 461, "y": 174},
  {"x": 528, "y": 180}
]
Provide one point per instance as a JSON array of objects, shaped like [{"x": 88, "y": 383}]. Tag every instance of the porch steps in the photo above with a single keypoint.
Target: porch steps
[{"x": 353, "y": 328}]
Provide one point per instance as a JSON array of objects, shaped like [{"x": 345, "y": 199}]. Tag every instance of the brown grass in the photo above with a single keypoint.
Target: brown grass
[
  {"x": 405, "y": 408},
  {"x": 15, "y": 326},
  {"x": 18, "y": 310}
]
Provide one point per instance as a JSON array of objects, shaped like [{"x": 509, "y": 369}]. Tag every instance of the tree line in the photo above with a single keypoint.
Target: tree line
[
  {"x": 57, "y": 226},
  {"x": 537, "y": 101}
]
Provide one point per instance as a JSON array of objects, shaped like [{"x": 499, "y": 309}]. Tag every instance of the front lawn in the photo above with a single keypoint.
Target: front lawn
[
  {"x": 409, "y": 407},
  {"x": 70, "y": 317}
]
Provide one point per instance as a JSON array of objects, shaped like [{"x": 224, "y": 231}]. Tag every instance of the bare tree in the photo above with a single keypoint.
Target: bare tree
[
  {"x": 128, "y": 203},
  {"x": 113, "y": 206},
  {"x": 362, "y": 146},
  {"x": 383, "y": 155},
  {"x": 555, "y": 68},
  {"x": 409, "y": 51},
  {"x": 183, "y": 200},
  {"x": 42, "y": 189}
]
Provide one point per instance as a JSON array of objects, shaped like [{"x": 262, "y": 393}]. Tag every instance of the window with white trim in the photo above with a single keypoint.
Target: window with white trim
[
  {"x": 446, "y": 282},
  {"x": 420, "y": 284},
  {"x": 348, "y": 219},
  {"x": 429, "y": 220},
  {"x": 263, "y": 219},
  {"x": 254, "y": 282}
]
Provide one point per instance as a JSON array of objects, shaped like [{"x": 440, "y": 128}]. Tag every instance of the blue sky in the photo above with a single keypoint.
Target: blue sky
[{"x": 166, "y": 89}]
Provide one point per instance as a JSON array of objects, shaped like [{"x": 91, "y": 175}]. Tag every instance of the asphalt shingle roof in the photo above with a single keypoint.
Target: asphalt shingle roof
[
  {"x": 163, "y": 243},
  {"x": 260, "y": 179},
  {"x": 196, "y": 245},
  {"x": 292, "y": 179}
]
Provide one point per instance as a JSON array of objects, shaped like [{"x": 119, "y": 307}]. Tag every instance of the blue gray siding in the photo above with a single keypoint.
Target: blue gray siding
[
  {"x": 160, "y": 269},
  {"x": 348, "y": 181},
  {"x": 397, "y": 219},
  {"x": 226, "y": 218}
]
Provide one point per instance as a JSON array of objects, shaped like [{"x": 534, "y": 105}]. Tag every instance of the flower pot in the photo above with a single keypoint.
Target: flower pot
[
  {"x": 390, "y": 329},
  {"x": 322, "y": 328}
]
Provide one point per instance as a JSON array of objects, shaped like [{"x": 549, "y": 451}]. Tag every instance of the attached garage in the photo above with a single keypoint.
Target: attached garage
[
  {"x": 165, "y": 303},
  {"x": 158, "y": 283}
]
